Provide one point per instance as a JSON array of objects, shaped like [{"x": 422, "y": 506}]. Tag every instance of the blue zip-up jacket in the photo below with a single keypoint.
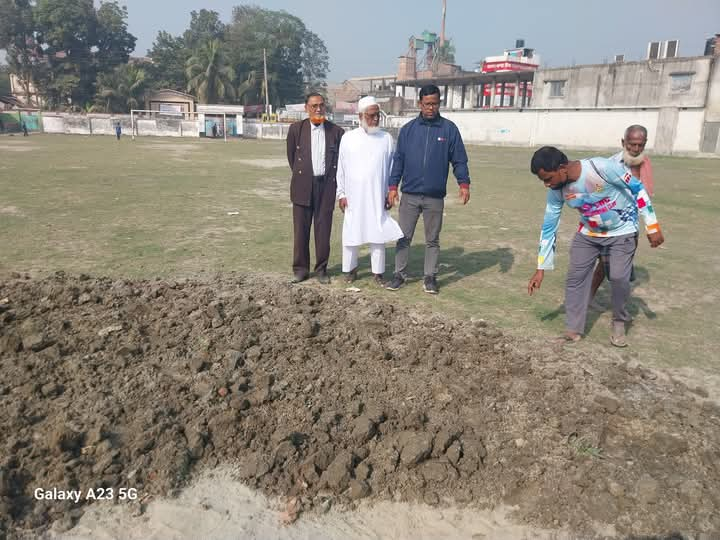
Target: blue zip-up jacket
[{"x": 425, "y": 148}]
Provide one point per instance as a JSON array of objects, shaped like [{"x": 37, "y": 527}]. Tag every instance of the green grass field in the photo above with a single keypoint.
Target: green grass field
[{"x": 159, "y": 207}]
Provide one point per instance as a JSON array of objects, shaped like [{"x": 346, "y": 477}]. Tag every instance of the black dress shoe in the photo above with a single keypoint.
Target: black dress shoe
[
  {"x": 323, "y": 278},
  {"x": 299, "y": 278}
]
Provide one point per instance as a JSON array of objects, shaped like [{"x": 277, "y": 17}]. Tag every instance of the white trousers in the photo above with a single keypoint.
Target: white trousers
[{"x": 377, "y": 258}]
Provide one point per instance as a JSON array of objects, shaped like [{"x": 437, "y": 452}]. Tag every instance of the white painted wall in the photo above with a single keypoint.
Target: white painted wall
[
  {"x": 105, "y": 125},
  {"x": 688, "y": 131},
  {"x": 53, "y": 124},
  {"x": 102, "y": 126},
  {"x": 259, "y": 130},
  {"x": 592, "y": 128}
]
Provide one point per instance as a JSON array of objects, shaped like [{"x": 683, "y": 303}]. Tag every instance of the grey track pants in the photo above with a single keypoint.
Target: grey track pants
[
  {"x": 584, "y": 251},
  {"x": 411, "y": 206}
]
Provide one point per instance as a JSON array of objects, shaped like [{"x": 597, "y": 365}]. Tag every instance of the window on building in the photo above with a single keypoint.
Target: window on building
[
  {"x": 680, "y": 82},
  {"x": 557, "y": 88}
]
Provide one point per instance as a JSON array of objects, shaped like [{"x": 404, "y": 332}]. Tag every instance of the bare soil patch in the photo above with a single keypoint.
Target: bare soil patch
[
  {"x": 334, "y": 398},
  {"x": 173, "y": 147},
  {"x": 11, "y": 211},
  {"x": 17, "y": 147},
  {"x": 263, "y": 163}
]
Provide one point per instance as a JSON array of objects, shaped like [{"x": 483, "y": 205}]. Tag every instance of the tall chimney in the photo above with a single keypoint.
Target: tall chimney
[{"x": 442, "y": 26}]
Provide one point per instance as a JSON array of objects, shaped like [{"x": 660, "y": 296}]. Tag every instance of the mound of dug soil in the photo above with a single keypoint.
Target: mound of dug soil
[{"x": 331, "y": 398}]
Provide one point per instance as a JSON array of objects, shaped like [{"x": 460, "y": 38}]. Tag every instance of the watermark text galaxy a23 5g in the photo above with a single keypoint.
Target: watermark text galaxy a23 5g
[{"x": 90, "y": 494}]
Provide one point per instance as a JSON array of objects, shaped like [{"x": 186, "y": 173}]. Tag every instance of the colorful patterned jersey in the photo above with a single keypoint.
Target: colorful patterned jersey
[{"x": 608, "y": 198}]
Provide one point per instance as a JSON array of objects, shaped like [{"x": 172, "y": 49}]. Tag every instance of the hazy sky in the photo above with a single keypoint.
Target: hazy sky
[{"x": 366, "y": 37}]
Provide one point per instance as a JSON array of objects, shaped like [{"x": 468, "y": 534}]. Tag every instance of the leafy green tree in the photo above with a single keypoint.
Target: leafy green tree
[
  {"x": 170, "y": 53},
  {"x": 17, "y": 37},
  {"x": 208, "y": 74},
  {"x": 315, "y": 63},
  {"x": 4, "y": 80},
  {"x": 121, "y": 89},
  {"x": 169, "y": 58},
  {"x": 297, "y": 59},
  {"x": 60, "y": 46},
  {"x": 113, "y": 41},
  {"x": 205, "y": 25},
  {"x": 68, "y": 29}
]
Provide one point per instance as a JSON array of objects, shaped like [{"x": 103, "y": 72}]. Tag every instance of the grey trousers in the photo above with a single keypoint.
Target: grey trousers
[
  {"x": 584, "y": 251},
  {"x": 411, "y": 206}
]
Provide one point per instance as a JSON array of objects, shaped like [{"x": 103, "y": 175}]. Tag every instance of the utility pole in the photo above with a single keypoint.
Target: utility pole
[{"x": 267, "y": 97}]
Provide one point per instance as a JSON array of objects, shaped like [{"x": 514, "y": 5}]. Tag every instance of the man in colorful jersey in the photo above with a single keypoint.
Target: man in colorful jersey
[
  {"x": 608, "y": 198},
  {"x": 633, "y": 158}
]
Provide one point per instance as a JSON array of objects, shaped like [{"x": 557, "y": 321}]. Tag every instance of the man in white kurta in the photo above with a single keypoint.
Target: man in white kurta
[{"x": 364, "y": 166}]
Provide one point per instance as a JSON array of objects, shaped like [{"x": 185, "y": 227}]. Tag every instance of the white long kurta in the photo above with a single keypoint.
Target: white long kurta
[{"x": 363, "y": 171}]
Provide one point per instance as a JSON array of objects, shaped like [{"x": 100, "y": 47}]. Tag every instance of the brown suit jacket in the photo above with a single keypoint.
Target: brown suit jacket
[{"x": 299, "y": 156}]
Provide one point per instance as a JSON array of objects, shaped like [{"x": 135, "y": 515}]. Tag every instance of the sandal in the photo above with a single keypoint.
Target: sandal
[
  {"x": 566, "y": 338},
  {"x": 617, "y": 334}
]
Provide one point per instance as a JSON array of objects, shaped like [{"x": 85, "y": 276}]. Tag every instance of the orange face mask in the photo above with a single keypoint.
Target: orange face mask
[{"x": 317, "y": 120}]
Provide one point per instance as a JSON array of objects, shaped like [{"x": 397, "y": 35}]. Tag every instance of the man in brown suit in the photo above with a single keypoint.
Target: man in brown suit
[{"x": 312, "y": 151}]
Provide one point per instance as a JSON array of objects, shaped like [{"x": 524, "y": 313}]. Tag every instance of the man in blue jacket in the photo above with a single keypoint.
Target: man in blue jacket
[{"x": 425, "y": 148}]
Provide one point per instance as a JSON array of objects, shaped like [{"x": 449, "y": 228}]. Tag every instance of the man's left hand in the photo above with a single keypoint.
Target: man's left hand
[
  {"x": 656, "y": 239},
  {"x": 342, "y": 204},
  {"x": 464, "y": 195}
]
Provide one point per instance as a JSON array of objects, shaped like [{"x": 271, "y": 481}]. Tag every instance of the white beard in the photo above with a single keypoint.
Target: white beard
[
  {"x": 632, "y": 161},
  {"x": 369, "y": 130}
]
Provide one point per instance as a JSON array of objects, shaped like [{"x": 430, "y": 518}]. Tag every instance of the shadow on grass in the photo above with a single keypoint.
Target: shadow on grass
[
  {"x": 603, "y": 302},
  {"x": 455, "y": 263}
]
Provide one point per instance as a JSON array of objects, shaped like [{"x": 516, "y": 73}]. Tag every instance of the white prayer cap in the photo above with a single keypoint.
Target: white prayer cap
[{"x": 367, "y": 101}]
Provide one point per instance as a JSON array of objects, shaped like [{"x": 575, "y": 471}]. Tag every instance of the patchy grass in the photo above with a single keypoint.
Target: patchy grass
[
  {"x": 583, "y": 447},
  {"x": 160, "y": 207}
]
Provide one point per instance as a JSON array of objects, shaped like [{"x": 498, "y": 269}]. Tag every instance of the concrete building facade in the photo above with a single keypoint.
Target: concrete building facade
[
  {"x": 677, "y": 99},
  {"x": 671, "y": 82},
  {"x": 170, "y": 101}
]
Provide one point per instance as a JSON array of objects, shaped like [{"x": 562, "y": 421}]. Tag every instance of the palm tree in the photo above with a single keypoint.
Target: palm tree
[
  {"x": 122, "y": 89},
  {"x": 247, "y": 89},
  {"x": 208, "y": 74}
]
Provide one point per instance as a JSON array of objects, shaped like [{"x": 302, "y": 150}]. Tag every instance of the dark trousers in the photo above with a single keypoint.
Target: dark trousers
[{"x": 319, "y": 215}]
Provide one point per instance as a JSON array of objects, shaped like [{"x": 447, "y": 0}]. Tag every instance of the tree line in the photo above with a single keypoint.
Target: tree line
[{"x": 77, "y": 56}]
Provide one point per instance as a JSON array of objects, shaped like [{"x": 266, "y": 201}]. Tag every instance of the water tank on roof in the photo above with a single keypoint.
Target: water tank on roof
[
  {"x": 429, "y": 37},
  {"x": 710, "y": 46}
]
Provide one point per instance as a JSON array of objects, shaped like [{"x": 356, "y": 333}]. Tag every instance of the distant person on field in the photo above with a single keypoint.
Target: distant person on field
[
  {"x": 25, "y": 129},
  {"x": 609, "y": 199},
  {"x": 118, "y": 130},
  {"x": 426, "y": 147},
  {"x": 633, "y": 158},
  {"x": 313, "y": 145},
  {"x": 362, "y": 186}
]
